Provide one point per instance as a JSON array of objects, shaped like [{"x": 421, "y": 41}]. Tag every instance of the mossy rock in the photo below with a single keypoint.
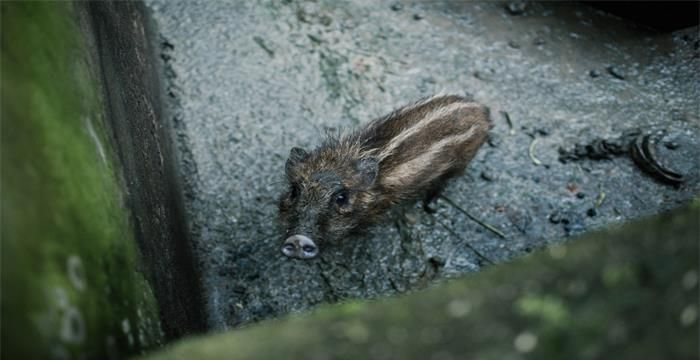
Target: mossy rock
[
  {"x": 71, "y": 284},
  {"x": 628, "y": 292}
]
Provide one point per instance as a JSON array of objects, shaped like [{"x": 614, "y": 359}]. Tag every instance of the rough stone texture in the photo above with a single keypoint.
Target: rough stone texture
[
  {"x": 95, "y": 262},
  {"x": 249, "y": 80},
  {"x": 612, "y": 294},
  {"x": 72, "y": 286},
  {"x": 142, "y": 138}
]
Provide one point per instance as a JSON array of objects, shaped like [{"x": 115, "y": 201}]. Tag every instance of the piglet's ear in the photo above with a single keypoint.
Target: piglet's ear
[
  {"x": 296, "y": 155},
  {"x": 368, "y": 169}
]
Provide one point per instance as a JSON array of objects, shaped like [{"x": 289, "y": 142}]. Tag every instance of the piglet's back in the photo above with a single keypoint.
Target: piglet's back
[{"x": 428, "y": 140}]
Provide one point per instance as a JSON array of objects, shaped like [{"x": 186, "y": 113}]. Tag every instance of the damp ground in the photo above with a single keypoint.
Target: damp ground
[{"x": 246, "y": 82}]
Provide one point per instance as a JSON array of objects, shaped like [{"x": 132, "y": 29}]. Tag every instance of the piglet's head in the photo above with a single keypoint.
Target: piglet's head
[{"x": 326, "y": 199}]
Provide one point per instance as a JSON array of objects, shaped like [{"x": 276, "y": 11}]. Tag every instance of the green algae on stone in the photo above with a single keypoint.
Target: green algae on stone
[
  {"x": 71, "y": 284},
  {"x": 555, "y": 304}
]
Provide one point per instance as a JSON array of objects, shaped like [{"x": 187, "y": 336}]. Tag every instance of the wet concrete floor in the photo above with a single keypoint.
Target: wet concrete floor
[{"x": 247, "y": 81}]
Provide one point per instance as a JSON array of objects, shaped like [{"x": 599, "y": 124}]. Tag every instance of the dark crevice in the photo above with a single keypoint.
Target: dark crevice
[{"x": 141, "y": 138}]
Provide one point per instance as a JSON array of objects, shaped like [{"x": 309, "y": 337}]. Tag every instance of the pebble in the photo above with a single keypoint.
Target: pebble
[
  {"x": 542, "y": 131},
  {"x": 594, "y": 73},
  {"x": 513, "y": 44},
  {"x": 555, "y": 218},
  {"x": 326, "y": 20},
  {"x": 616, "y": 72},
  {"x": 396, "y": 7},
  {"x": 417, "y": 16},
  {"x": 516, "y": 7},
  {"x": 581, "y": 195},
  {"x": 485, "y": 74},
  {"x": 487, "y": 176},
  {"x": 591, "y": 212},
  {"x": 538, "y": 41},
  {"x": 494, "y": 140},
  {"x": 671, "y": 145},
  {"x": 574, "y": 228}
]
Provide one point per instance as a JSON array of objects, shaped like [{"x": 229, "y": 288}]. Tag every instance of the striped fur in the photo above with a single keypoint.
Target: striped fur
[
  {"x": 407, "y": 154},
  {"x": 423, "y": 142}
]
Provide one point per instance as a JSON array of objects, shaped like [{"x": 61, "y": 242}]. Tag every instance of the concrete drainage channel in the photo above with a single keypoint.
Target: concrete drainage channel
[
  {"x": 560, "y": 79},
  {"x": 96, "y": 261},
  {"x": 157, "y": 220}
]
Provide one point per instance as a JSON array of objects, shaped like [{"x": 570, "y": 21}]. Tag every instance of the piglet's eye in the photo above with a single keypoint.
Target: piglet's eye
[
  {"x": 294, "y": 191},
  {"x": 341, "y": 199}
]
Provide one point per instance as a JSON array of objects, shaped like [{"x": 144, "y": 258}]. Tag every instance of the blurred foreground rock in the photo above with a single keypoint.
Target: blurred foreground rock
[
  {"x": 627, "y": 292},
  {"x": 93, "y": 260}
]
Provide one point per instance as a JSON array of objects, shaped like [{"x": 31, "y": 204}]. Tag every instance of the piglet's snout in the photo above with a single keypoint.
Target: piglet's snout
[{"x": 300, "y": 247}]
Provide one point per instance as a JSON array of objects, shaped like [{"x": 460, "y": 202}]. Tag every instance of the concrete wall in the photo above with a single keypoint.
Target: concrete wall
[{"x": 90, "y": 208}]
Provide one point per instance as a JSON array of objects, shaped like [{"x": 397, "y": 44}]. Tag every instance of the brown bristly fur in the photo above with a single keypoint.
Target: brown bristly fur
[{"x": 402, "y": 156}]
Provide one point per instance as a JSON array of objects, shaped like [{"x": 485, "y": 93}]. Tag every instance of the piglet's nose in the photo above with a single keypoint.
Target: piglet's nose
[{"x": 300, "y": 247}]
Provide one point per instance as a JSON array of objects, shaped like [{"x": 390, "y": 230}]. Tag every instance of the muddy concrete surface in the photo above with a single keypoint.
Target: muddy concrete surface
[{"x": 246, "y": 82}]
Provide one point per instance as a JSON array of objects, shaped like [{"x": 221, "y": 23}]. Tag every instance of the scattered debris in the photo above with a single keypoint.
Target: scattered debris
[
  {"x": 571, "y": 220},
  {"x": 531, "y": 153},
  {"x": 258, "y": 40},
  {"x": 671, "y": 145},
  {"x": 474, "y": 218},
  {"x": 506, "y": 117},
  {"x": 483, "y": 75},
  {"x": 637, "y": 145},
  {"x": 599, "y": 200},
  {"x": 486, "y": 175},
  {"x": 516, "y": 7},
  {"x": 555, "y": 217},
  {"x": 599, "y": 149},
  {"x": 494, "y": 140},
  {"x": 315, "y": 39},
  {"x": 396, "y": 6},
  {"x": 644, "y": 155},
  {"x": 616, "y": 72}
]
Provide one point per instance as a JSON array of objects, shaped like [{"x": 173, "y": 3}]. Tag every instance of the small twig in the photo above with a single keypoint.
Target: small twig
[
  {"x": 474, "y": 218},
  {"x": 506, "y": 116},
  {"x": 599, "y": 200},
  {"x": 453, "y": 233},
  {"x": 261, "y": 42},
  {"x": 531, "y": 152}
]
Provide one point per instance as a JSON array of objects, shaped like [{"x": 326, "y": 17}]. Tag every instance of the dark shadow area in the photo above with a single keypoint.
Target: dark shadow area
[
  {"x": 659, "y": 15},
  {"x": 142, "y": 138}
]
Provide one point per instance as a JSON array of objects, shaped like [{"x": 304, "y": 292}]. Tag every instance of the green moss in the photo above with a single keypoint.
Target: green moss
[
  {"x": 70, "y": 283},
  {"x": 549, "y": 309},
  {"x": 624, "y": 293}
]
